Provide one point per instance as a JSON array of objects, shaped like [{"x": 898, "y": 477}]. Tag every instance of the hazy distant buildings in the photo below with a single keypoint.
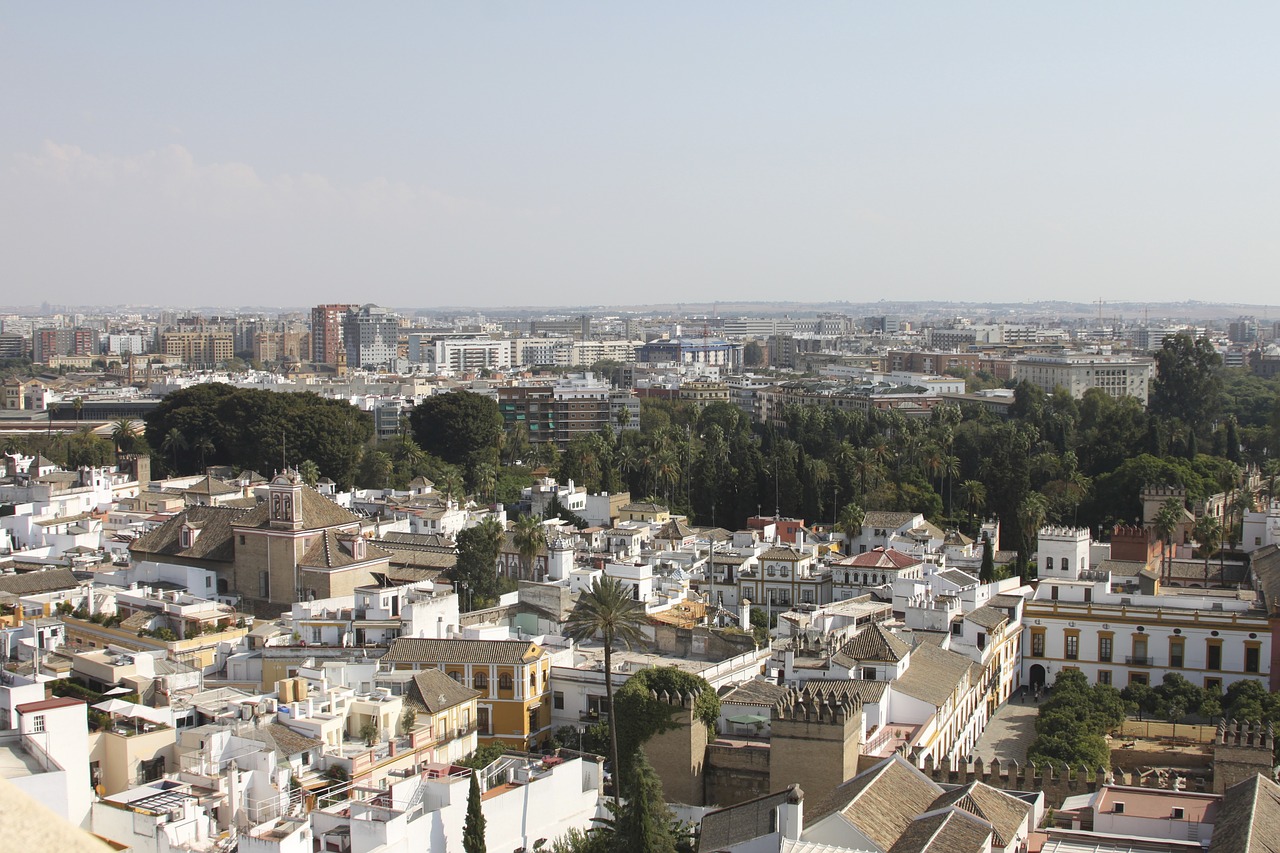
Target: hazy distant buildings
[
  {"x": 205, "y": 349},
  {"x": 1117, "y": 375},
  {"x": 370, "y": 335},
  {"x": 326, "y": 332}
]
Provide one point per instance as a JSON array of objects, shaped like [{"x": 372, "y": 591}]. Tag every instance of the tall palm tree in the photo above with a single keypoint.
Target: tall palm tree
[
  {"x": 609, "y": 610},
  {"x": 1031, "y": 514},
  {"x": 205, "y": 446},
  {"x": 529, "y": 536},
  {"x": 486, "y": 477},
  {"x": 1165, "y": 522},
  {"x": 1208, "y": 532},
  {"x": 973, "y": 494},
  {"x": 174, "y": 441}
]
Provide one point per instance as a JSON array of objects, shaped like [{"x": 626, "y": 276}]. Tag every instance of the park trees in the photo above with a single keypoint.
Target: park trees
[
  {"x": 1072, "y": 724},
  {"x": 461, "y": 427}
]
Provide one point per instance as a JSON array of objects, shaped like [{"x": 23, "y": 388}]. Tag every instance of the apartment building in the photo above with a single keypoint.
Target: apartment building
[
  {"x": 1212, "y": 637},
  {"x": 512, "y": 678},
  {"x": 326, "y": 332},
  {"x": 204, "y": 349},
  {"x": 1116, "y": 375}
]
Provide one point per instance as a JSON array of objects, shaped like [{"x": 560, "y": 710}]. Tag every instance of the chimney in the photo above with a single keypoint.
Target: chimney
[{"x": 744, "y": 614}]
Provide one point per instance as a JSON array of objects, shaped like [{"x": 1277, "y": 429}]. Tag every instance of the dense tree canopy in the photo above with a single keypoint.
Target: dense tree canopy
[
  {"x": 218, "y": 424},
  {"x": 1073, "y": 722},
  {"x": 461, "y": 427}
]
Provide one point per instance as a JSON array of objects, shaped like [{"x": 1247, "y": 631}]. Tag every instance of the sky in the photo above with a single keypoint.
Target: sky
[{"x": 521, "y": 154}]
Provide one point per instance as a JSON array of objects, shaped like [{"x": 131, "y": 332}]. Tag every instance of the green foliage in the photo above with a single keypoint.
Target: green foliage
[
  {"x": 213, "y": 423},
  {"x": 461, "y": 427},
  {"x": 1073, "y": 722},
  {"x": 473, "y": 826},
  {"x": 644, "y": 823},
  {"x": 369, "y": 732},
  {"x": 1187, "y": 386},
  {"x": 478, "y": 549},
  {"x": 640, "y": 716},
  {"x": 485, "y": 755}
]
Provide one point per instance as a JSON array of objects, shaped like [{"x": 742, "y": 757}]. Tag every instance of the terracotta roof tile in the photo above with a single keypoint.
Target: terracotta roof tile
[{"x": 418, "y": 650}]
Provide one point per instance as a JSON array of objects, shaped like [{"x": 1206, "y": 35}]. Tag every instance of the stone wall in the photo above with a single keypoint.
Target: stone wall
[{"x": 736, "y": 772}]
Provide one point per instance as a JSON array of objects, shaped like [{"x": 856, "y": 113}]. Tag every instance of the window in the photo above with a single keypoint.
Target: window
[
  {"x": 1117, "y": 808},
  {"x": 315, "y": 635},
  {"x": 37, "y": 723},
  {"x": 264, "y": 584},
  {"x": 1066, "y": 564},
  {"x": 1048, "y": 564},
  {"x": 1176, "y": 648},
  {"x": 1073, "y": 647},
  {"x": 982, "y": 640},
  {"x": 1104, "y": 676},
  {"x": 504, "y": 681},
  {"x": 242, "y": 539},
  {"x": 1178, "y": 813},
  {"x": 480, "y": 681},
  {"x": 208, "y": 581},
  {"x": 1053, "y": 592},
  {"x": 1252, "y": 658},
  {"x": 456, "y": 676},
  {"x": 1088, "y": 595},
  {"x": 1213, "y": 685},
  {"x": 557, "y": 700},
  {"x": 1214, "y": 657},
  {"x": 869, "y": 673},
  {"x": 1104, "y": 649},
  {"x": 1037, "y": 645}
]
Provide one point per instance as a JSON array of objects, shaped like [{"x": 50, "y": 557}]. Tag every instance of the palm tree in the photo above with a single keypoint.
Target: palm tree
[
  {"x": 174, "y": 441},
  {"x": 1031, "y": 513},
  {"x": 608, "y": 609},
  {"x": 124, "y": 434},
  {"x": 973, "y": 494},
  {"x": 1165, "y": 523},
  {"x": 78, "y": 405},
  {"x": 850, "y": 524},
  {"x": 204, "y": 445},
  {"x": 451, "y": 484},
  {"x": 529, "y": 536},
  {"x": 1208, "y": 532},
  {"x": 486, "y": 477}
]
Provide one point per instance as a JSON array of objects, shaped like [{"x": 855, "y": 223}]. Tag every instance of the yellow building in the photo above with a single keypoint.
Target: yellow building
[{"x": 512, "y": 678}]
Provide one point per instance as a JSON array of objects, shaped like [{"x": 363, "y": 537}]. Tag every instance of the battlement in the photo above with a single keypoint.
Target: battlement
[
  {"x": 1246, "y": 734},
  {"x": 677, "y": 699},
  {"x": 806, "y": 707},
  {"x": 1064, "y": 534}
]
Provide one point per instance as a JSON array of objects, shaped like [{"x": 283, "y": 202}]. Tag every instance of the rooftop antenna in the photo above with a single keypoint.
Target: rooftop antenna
[{"x": 283, "y": 465}]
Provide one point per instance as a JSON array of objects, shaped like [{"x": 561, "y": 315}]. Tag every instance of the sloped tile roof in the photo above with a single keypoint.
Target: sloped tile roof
[
  {"x": 329, "y": 552},
  {"x": 958, "y": 577},
  {"x": 949, "y": 831},
  {"x": 882, "y": 801},
  {"x": 317, "y": 512},
  {"x": 744, "y": 821},
  {"x": 31, "y": 583},
  {"x": 436, "y": 692},
  {"x": 933, "y": 675},
  {"x": 1006, "y": 814},
  {"x": 209, "y": 486},
  {"x": 282, "y": 739},
  {"x": 890, "y": 520},
  {"x": 503, "y": 652},
  {"x": 1249, "y": 821},
  {"x": 874, "y": 643},
  {"x": 988, "y": 617},
  {"x": 215, "y": 541},
  {"x": 881, "y": 558},
  {"x": 754, "y": 692}
]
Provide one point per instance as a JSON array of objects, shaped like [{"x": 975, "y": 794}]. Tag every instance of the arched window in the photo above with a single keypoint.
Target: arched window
[
  {"x": 1048, "y": 564},
  {"x": 1066, "y": 564},
  {"x": 480, "y": 681},
  {"x": 504, "y": 681},
  {"x": 456, "y": 676}
]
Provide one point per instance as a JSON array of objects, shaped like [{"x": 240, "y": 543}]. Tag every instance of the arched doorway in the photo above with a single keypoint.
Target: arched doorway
[{"x": 1037, "y": 676}]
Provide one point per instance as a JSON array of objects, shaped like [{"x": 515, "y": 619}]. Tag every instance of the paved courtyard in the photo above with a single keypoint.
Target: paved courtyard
[{"x": 1009, "y": 733}]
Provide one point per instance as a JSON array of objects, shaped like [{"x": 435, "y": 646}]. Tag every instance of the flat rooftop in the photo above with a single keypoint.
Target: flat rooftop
[{"x": 15, "y": 763}]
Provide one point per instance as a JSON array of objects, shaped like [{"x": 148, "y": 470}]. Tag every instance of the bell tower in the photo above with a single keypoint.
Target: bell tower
[{"x": 286, "y": 501}]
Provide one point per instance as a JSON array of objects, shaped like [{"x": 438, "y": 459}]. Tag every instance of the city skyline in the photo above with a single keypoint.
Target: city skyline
[{"x": 579, "y": 155}]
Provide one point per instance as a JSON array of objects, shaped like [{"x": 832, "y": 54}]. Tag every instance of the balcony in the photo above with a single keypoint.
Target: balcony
[{"x": 1140, "y": 661}]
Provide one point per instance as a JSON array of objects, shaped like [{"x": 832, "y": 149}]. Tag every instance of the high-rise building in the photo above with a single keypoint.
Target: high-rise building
[
  {"x": 371, "y": 336},
  {"x": 326, "y": 332}
]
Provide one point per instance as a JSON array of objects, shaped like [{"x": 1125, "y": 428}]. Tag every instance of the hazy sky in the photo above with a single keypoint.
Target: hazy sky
[{"x": 492, "y": 154}]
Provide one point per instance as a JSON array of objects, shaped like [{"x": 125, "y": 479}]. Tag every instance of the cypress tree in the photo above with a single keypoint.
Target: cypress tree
[
  {"x": 643, "y": 823},
  {"x": 987, "y": 573},
  {"x": 473, "y": 828}
]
